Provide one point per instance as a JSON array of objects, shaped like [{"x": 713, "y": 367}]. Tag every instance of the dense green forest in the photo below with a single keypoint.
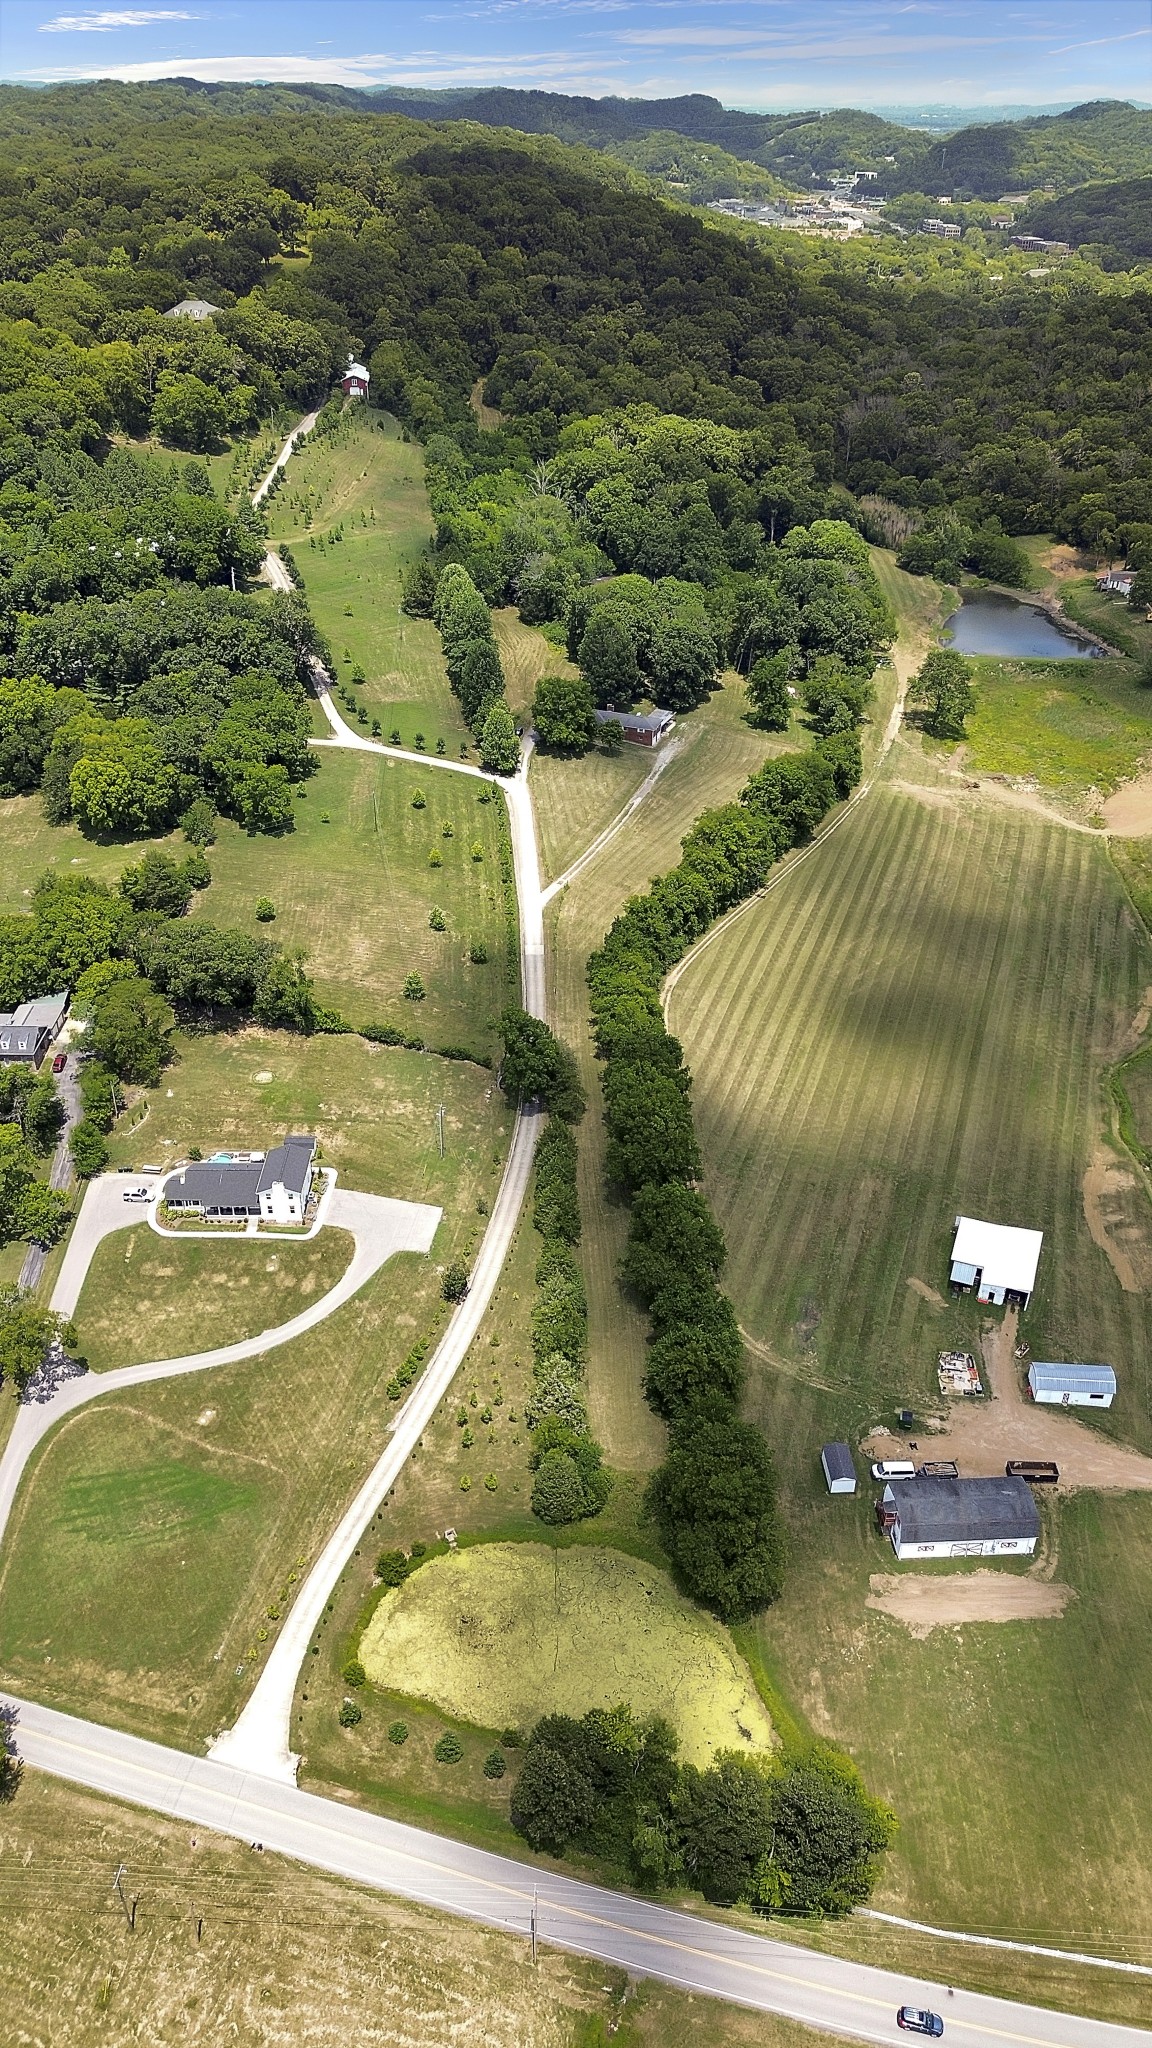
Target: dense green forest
[
  {"x": 451, "y": 255},
  {"x": 1113, "y": 219}
]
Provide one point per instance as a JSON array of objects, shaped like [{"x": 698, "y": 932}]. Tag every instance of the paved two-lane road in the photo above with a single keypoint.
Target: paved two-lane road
[{"x": 719, "y": 1959}]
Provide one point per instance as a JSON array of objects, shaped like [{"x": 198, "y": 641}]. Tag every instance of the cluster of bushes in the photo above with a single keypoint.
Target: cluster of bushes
[
  {"x": 28, "y": 1331},
  {"x": 941, "y": 692},
  {"x": 944, "y": 546},
  {"x": 633, "y": 638},
  {"x": 126, "y": 715},
  {"x": 470, "y": 656},
  {"x": 118, "y": 958},
  {"x": 795, "y": 1832},
  {"x": 714, "y": 1498},
  {"x": 570, "y": 1481},
  {"x": 30, "y": 1211}
]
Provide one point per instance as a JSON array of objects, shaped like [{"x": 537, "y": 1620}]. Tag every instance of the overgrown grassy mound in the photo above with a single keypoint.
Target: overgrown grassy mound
[{"x": 506, "y": 1632}]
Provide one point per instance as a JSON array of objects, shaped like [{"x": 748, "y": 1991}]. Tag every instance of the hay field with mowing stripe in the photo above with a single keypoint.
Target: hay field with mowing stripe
[
  {"x": 504, "y": 1632},
  {"x": 146, "y": 1297},
  {"x": 915, "y": 1024}
]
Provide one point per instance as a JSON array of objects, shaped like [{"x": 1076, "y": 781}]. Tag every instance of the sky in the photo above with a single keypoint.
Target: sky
[{"x": 764, "y": 54}]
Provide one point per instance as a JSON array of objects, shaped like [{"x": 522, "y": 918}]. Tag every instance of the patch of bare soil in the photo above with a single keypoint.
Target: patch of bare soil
[
  {"x": 1128, "y": 811},
  {"x": 982, "y": 1435},
  {"x": 926, "y": 1293},
  {"x": 1117, "y": 1223},
  {"x": 922, "y": 1603}
]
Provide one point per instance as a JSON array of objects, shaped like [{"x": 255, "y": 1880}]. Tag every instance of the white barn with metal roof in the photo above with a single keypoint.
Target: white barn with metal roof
[
  {"x": 1072, "y": 1386},
  {"x": 996, "y": 1259}
]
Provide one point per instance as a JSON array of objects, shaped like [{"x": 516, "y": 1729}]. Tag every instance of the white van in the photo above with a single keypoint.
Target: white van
[{"x": 894, "y": 1468}]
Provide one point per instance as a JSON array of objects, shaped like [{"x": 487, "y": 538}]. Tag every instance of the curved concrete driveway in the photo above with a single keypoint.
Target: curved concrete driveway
[{"x": 380, "y": 1228}]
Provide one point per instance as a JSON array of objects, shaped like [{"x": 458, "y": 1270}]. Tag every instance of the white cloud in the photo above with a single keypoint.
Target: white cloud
[
  {"x": 557, "y": 70},
  {"x": 102, "y": 20}
]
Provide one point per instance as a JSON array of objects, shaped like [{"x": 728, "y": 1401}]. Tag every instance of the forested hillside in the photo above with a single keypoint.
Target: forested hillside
[
  {"x": 453, "y": 255},
  {"x": 1116, "y": 219}
]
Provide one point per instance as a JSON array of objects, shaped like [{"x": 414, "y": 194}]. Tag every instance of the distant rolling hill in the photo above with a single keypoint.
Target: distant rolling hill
[{"x": 1116, "y": 217}]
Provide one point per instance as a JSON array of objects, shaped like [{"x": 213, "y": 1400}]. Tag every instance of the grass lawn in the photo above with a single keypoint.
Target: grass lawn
[
  {"x": 31, "y": 846},
  {"x": 356, "y": 893},
  {"x": 561, "y": 1631},
  {"x": 368, "y": 480},
  {"x": 525, "y": 656},
  {"x": 576, "y": 799},
  {"x": 146, "y": 1297},
  {"x": 287, "y": 1954},
  {"x": 1076, "y": 727}
]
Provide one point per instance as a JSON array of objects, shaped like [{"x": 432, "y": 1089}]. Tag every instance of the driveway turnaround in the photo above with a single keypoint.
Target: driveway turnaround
[
  {"x": 715, "y": 1957},
  {"x": 381, "y": 1228}
]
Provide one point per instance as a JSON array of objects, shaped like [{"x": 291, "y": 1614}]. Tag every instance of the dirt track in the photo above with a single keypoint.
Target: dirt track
[
  {"x": 923, "y": 1603},
  {"x": 1128, "y": 811},
  {"x": 982, "y": 1435}
]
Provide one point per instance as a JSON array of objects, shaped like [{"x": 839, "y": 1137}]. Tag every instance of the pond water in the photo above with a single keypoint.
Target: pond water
[{"x": 987, "y": 623}]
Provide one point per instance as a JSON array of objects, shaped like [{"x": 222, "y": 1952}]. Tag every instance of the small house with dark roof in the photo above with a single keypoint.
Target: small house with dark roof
[
  {"x": 960, "y": 1517},
  {"x": 270, "y": 1187},
  {"x": 641, "y": 728},
  {"x": 27, "y": 1031}
]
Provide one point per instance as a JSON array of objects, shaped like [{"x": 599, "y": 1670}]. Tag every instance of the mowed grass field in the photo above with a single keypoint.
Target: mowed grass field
[
  {"x": 915, "y": 1023},
  {"x": 368, "y": 479},
  {"x": 354, "y": 887},
  {"x": 146, "y": 1297}
]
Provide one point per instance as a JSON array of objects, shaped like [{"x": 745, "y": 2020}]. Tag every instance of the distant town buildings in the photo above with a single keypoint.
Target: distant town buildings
[
  {"x": 1035, "y": 245},
  {"x": 948, "y": 230}
]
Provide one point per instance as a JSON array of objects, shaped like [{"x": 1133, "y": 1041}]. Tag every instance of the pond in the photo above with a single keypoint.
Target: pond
[{"x": 987, "y": 623}]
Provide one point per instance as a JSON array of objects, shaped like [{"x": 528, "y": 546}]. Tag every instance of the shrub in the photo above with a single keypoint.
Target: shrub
[
  {"x": 394, "y": 736},
  {"x": 495, "y": 1764},
  {"x": 454, "y": 1285},
  {"x": 354, "y": 1672},
  {"x": 350, "y": 1713},
  {"x": 435, "y": 858},
  {"x": 392, "y": 1567},
  {"x": 437, "y": 919},
  {"x": 88, "y": 1150},
  {"x": 511, "y": 1738},
  {"x": 558, "y": 1491},
  {"x": 419, "y": 800},
  {"x": 414, "y": 989},
  {"x": 398, "y": 1733},
  {"x": 478, "y": 953},
  {"x": 449, "y": 1749},
  {"x": 265, "y": 909},
  {"x": 476, "y": 851}
]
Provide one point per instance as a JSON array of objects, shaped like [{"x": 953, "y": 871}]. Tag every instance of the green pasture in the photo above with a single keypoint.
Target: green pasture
[
  {"x": 32, "y": 846},
  {"x": 916, "y": 1023},
  {"x": 501, "y": 1633},
  {"x": 353, "y": 886},
  {"x": 1013, "y": 1753},
  {"x": 366, "y": 478},
  {"x": 150, "y": 1297},
  {"x": 1073, "y": 726},
  {"x": 374, "y": 1109}
]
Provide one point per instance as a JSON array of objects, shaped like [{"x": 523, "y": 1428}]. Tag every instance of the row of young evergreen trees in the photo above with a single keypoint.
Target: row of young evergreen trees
[
  {"x": 714, "y": 1497},
  {"x": 471, "y": 657}
]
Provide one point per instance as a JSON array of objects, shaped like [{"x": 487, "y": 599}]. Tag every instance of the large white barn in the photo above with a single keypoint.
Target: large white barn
[{"x": 996, "y": 1259}]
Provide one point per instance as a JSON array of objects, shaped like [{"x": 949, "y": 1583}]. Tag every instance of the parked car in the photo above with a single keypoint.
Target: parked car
[
  {"x": 137, "y": 1194},
  {"x": 59, "y": 1063},
  {"x": 894, "y": 1468},
  {"x": 915, "y": 2020}
]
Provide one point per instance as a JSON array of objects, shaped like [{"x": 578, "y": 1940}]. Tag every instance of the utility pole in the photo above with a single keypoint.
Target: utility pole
[
  {"x": 118, "y": 1887},
  {"x": 440, "y": 1127},
  {"x": 534, "y": 1910}
]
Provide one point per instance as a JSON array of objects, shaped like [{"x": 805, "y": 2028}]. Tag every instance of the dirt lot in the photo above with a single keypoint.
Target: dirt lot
[
  {"x": 1128, "y": 811},
  {"x": 982, "y": 1435},
  {"x": 923, "y": 1603}
]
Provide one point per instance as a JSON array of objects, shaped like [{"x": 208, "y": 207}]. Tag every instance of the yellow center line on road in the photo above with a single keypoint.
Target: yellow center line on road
[{"x": 618, "y": 1927}]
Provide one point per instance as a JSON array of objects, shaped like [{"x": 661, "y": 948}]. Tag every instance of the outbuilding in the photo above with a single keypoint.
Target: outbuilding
[
  {"x": 996, "y": 1259},
  {"x": 960, "y": 1517},
  {"x": 1072, "y": 1386},
  {"x": 27, "y": 1031},
  {"x": 354, "y": 383},
  {"x": 839, "y": 1471},
  {"x": 641, "y": 728}
]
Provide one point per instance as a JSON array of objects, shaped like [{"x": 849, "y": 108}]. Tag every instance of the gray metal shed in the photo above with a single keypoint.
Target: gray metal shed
[
  {"x": 1072, "y": 1386},
  {"x": 839, "y": 1471}
]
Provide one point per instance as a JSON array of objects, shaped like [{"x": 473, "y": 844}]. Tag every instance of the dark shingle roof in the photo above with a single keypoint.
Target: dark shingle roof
[
  {"x": 838, "y": 1461},
  {"x": 963, "y": 1510}
]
